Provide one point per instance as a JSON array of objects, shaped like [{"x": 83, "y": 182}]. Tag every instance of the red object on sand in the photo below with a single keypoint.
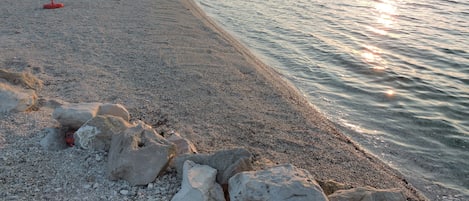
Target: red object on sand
[
  {"x": 53, "y": 5},
  {"x": 69, "y": 139}
]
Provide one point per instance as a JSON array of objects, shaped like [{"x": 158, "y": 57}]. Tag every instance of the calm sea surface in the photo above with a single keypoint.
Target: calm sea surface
[{"x": 394, "y": 75}]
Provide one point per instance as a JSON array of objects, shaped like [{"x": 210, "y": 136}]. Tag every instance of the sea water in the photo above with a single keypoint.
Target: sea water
[{"x": 392, "y": 74}]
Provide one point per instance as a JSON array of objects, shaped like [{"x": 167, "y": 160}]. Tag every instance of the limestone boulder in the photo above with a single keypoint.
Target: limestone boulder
[
  {"x": 16, "y": 99},
  {"x": 139, "y": 155},
  {"x": 198, "y": 183},
  {"x": 54, "y": 139},
  {"x": 368, "y": 194},
  {"x": 97, "y": 132},
  {"x": 74, "y": 115},
  {"x": 183, "y": 145},
  {"x": 279, "y": 183},
  {"x": 227, "y": 162},
  {"x": 115, "y": 110},
  {"x": 331, "y": 186}
]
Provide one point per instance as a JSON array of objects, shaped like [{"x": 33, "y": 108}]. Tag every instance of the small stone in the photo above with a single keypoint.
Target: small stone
[
  {"x": 91, "y": 178},
  {"x": 124, "y": 192},
  {"x": 87, "y": 186},
  {"x": 95, "y": 185},
  {"x": 150, "y": 186},
  {"x": 98, "y": 157},
  {"x": 57, "y": 189}
]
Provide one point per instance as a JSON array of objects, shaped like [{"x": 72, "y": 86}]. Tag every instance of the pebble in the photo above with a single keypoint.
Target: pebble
[
  {"x": 95, "y": 185},
  {"x": 124, "y": 192},
  {"x": 150, "y": 186},
  {"x": 98, "y": 157},
  {"x": 87, "y": 186}
]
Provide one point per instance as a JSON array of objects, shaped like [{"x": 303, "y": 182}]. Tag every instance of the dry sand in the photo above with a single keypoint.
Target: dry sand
[{"x": 173, "y": 68}]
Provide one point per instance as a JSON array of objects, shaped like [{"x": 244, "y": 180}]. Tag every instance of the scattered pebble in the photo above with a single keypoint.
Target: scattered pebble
[
  {"x": 124, "y": 192},
  {"x": 98, "y": 157}
]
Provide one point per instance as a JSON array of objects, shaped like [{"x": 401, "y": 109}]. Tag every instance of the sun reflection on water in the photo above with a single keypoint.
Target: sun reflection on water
[
  {"x": 384, "y": 12},
  {"x": 371, "y": 56},
  {"x": 390, "y": 92},
  {"x": 386, "y": 7}
]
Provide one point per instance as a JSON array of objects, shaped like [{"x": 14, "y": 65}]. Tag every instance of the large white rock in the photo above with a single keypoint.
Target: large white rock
[
  {"x": 16, "y": 99},
  {"x": 198, "y": 184},
  {"x": 367, "y": 194},
  {"x": 115, "y": 110},
  {"x": 139, "y": 155},
  {"x": 279, "y": 183},
  {"x": 97, "y": 132},
  {"x": 74, "y": 115},
  {"x": 227, "y": 162}
]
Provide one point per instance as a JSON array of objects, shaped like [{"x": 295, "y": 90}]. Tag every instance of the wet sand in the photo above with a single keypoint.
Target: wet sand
[{"x": 175, "y": 69}]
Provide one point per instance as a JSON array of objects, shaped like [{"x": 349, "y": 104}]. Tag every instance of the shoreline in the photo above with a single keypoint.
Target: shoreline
[
  {"x": 287, "y": 88},
  {"x": 174, "y": 68}
]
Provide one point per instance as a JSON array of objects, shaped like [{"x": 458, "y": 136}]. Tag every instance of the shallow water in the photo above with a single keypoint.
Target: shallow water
[{"x": 394, "y": 75}]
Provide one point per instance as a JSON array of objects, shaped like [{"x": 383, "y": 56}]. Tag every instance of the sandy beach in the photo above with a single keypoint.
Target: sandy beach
[{"x": 173, "y": 68}]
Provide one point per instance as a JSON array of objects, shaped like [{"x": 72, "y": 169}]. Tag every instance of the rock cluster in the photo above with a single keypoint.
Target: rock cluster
[
  {"x": 226, "y": 162},
  {"x": 138, "y": 154}
]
